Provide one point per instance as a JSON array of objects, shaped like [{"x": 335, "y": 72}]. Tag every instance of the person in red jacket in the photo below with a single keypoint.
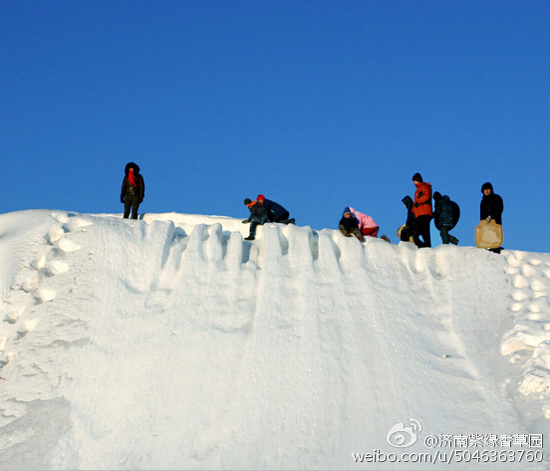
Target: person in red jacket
[{"x": 422, "y": 210}]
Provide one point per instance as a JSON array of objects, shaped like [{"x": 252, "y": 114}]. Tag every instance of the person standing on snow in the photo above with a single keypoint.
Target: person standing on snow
[
  {"x": 350, "y": 225},
  {"x": 491, "y": 206},
  {"x": 258, "y": 216},
  {"x": 408, "y": 230},
  {"x": 422, "y": 209},
  {"x": 275, "y": 212},
  {"x": 445, "y": 218},
  {"x": 133, "y": 190}
]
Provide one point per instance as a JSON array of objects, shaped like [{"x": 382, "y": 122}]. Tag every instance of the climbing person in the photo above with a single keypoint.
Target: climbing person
[
  {"x": 275, "y": 212},
  {"x": 446, "y": 214},
  {"x": 133, "y": 190},
  {"x": 258, "y": 216},
  {"x": 422, "y": 209},
  {"x": 367, "y": 225},
  {"x": 349, "y": 225}
]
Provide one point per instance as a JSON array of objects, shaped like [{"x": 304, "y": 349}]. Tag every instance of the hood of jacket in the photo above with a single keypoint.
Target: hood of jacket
[{"x": 133, "y": 165}]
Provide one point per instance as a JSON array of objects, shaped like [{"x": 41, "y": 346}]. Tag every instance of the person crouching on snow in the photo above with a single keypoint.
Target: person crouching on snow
[
  {"x": 275, "y": 212},
  {"x": 367, "y": 225},
  {"x": 349, "y": 225},
  {"x": 258, "y": 216}
]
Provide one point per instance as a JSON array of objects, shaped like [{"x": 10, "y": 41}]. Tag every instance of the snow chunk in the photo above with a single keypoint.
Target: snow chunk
[
  {"x": 44, "y": 295},
  {"x": 27, "y": 326},
  {"x": 519, "y": 282},
  {"x": 67, "y": 245}
]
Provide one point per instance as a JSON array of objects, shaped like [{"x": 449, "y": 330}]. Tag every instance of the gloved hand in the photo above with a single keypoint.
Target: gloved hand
[
  {"x": 122, "y": 199},
  {"x": 488, "y": 219},
  {"x": 245, "y": 221},
  {"x": 415, "y": 205},
  {"x": 140, "y": 200}
]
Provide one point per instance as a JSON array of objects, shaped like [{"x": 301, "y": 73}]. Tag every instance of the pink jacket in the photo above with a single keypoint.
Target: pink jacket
[{"x": 364, "y": 219}]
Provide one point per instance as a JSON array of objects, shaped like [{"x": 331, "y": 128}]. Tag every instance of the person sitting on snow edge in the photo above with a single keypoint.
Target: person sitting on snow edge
[
  {"x": 350, "y": 225},
  {"x": 258, "y": 216}
]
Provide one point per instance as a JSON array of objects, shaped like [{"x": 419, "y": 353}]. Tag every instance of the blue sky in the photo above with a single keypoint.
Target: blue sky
[{"x": 316, "y": 104}]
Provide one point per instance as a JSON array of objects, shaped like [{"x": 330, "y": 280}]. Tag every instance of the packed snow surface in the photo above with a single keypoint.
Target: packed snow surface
[{"x": 172, "y": 343}]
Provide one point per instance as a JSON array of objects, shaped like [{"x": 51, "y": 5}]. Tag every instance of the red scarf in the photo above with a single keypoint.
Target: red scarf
[{"x": 131, "y": 177}]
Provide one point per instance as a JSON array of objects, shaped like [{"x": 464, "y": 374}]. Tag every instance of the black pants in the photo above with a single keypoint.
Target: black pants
[
  {"x": 283, "y": 218},
  {"x": 446, "y": 237},
  {"x": 407, "y": 233},
  {"x": 423, "y": 229},
  {"x": 131, "y": 202},
  {"x": 256, "y": 221}
]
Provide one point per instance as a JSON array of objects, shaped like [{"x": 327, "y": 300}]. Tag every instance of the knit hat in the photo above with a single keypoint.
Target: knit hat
[
  {"x": 417, "y": 178},
  {"x": 486, "y": 186},
  {"x": 347, "y": 210},
  {"x": 247, "y": 201},
  {"x": 437, "y": 196},
  {"x": 260, "y": 197}
]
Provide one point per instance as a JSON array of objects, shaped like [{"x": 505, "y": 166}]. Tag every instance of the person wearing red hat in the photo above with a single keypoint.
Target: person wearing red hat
[{"x": 275, "y": 212}]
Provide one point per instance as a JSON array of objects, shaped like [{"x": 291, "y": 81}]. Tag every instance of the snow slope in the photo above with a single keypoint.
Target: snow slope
[{"x": 172, "y": 343}]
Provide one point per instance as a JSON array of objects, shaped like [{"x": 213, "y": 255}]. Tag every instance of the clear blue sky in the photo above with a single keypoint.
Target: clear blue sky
[{"x": 316, "y": 104}]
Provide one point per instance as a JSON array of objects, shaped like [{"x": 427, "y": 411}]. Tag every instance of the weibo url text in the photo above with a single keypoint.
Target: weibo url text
[{"x": 452, "y": 456}]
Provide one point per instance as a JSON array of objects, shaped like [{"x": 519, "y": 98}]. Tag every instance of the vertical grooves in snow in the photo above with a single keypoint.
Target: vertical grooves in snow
[{"x": 171, "y": 342}]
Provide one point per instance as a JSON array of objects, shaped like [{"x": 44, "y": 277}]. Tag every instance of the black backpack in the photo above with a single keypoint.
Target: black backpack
[{"x": 456, "y": 213}]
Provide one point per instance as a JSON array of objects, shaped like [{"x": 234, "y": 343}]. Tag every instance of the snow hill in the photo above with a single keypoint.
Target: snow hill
[{"x": 172, "y": 343}]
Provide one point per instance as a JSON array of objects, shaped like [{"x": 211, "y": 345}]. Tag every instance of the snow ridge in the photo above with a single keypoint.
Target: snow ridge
[{"x": 171, "y": 342}]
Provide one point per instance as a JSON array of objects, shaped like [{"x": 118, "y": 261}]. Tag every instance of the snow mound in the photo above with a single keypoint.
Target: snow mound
[{"x": 172, "y": 343}]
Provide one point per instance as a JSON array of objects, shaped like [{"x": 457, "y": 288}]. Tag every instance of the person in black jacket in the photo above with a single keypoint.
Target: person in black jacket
[
  {"x": 491, "y": 206},
  {"x": 444, "y": 217},
  {"x": 350, "y": 225},
  {"x": 258, "y": 216},
  {"x": 408, "y": 230},
  {"x": 133, "y": 190},
  {"x": 275, "y": 212}
]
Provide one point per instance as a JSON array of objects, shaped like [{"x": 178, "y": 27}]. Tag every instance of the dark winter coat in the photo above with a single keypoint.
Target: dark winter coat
[
  {"x": 443, "y": 214},
  {"x": 349, "y": 223},
  {"x": 275, "y": 211},
  {"x": 258, "y": 213},
  {"x": 130, "y": 190},
  {"x": 491, "y": 205},
  {"x": 410, "y": 215}
]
